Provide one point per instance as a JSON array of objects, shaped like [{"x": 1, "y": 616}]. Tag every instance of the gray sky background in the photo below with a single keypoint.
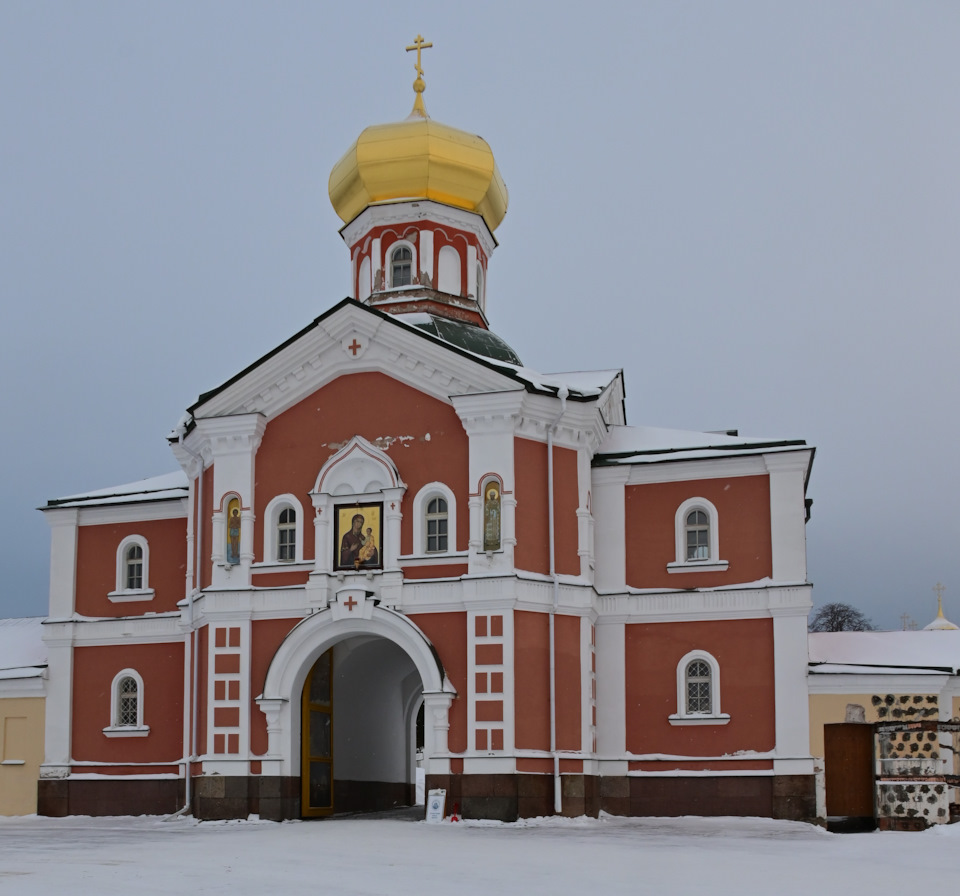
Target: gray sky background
[{"x": 753, "y": 208}]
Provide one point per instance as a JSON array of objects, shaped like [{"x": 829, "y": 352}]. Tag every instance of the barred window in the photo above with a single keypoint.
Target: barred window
[
  {"x": 128, "y": 702},
  {"x": 699, "y": 688}
]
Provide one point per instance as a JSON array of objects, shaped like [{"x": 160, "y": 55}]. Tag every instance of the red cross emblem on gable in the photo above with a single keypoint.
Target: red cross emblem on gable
[{"x": 354, "y": 345}]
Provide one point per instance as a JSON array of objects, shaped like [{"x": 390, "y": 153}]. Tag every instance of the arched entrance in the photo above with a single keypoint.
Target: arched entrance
[
  {"x": 341, "y": 698},
  {"x": 358, "y": 712}
]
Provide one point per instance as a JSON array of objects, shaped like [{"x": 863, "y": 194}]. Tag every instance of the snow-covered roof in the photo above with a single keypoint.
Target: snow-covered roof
[
  {"x": 22, "y": 651},
  {"x": 649, "y": 444},
  {"x": 158, "y": 488},
  {"x": 583, "y": 383},
  {"x": 884, "y": 652},
  {"x": 578, "y": 383}
]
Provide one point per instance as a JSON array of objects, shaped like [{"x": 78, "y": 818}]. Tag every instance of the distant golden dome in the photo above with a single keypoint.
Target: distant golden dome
[{"x": 419, "y": 159}]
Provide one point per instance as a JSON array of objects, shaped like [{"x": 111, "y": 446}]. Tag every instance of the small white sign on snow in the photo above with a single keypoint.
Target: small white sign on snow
[{"x": 436, "y": 804}]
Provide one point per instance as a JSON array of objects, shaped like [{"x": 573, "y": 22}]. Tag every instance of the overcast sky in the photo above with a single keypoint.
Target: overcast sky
[{"x": 752, "y": 208}]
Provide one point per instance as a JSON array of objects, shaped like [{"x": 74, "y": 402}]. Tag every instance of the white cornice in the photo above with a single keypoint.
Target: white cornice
[
  {"x": 489, "y": 412},
  {"x": 678, "y": 606},
  {"x": 146, "y": 629},
  {"x": 869, "y": 681},
  {"x": 789, "y": 461},
  {"x": 418, "y": 213},
  {"x": 57, "y": 517},
  {"x": 233, "y": 434},
  {"x": 142, "y": 511},
  {"x": 35, "y": 686},
  {"x": 706, "y": 468}
]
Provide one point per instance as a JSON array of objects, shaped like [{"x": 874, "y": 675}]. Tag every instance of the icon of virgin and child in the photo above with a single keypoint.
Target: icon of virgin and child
[{"x": 358, "y": 547}]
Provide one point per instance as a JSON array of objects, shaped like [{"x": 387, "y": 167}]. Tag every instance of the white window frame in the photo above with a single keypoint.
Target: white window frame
[
  {"x": 414, "y": 274},
  {"x": 420, "y": 503},
  {"x": 272, "y": 525},
  {"x": 115, "y": 730},
  {"x": 122, "y": 594},
  {"x": 713, "y": 563},
  {"x": 682, "y": 716}
]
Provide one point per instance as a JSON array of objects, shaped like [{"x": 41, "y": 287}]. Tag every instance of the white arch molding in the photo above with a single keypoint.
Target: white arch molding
[{"x": 309, "y": 639}]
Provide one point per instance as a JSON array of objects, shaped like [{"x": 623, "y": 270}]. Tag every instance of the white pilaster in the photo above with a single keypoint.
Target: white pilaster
[
  {"x": 609, "y": 514},
  {"x": 59, "y": 702},
  {"x": 436, "y": 753},
  {"x": 788, "y": 515},
  {"x": 392, "y": 518},
  {"x": 611, "y": 693},
  {"x": 792, "y": 712},
  {"x": 490, "y": 420},
  {"x": 472, "y": 272},
  {"x": 63, "y": 561},
  {"x": 232, "y": 444},
  {"x": 426, "y": 255}
]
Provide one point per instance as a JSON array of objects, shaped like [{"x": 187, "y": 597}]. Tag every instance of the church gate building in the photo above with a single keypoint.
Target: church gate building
[{"x": 392, "y": 546}]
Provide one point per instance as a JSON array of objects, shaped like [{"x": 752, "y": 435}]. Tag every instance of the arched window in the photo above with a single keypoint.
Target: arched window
[
  {"x": 283, "y": 530},
  {"x": 128, "y": 703},
  {"x": 436, "y": 521},
  {"x": 287, "y": 535},
  {"x": 697, "y": 533},
  {"x": 697, "y": 530},
  {"x": 133, "y": 571},
  {"x": 448, "y": 273},
  {"x": 133, "y": 568},
  {"x": 698, "y": 681},
  {"x": 401, "y": 266},
  {"x": 698, "y": 691},
  {"x": 126, "y": 706}
]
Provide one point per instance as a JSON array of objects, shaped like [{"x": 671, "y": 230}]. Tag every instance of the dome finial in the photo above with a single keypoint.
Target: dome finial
[
  {"x": 419, "y": 85},
  {"x": 941, "y": 623}
]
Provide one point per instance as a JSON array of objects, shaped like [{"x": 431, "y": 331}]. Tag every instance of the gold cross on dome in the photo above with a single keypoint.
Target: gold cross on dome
[
  {"x": 418, "y": 45},
  {"x": 938, "y": 589}
]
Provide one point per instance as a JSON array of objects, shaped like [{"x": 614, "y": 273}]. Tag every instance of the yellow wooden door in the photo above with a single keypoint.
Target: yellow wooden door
[{"x": 316, "y": 741}]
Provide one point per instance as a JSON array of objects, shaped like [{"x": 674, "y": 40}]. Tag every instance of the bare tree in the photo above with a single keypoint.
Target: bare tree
[{"x": 840, "y": 618}]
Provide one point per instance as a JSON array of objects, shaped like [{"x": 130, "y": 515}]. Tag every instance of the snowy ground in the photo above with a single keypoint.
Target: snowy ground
[{"x": 398, "y": 855}]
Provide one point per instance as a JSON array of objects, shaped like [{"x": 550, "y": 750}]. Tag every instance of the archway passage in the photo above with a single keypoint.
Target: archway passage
[{"x": 359, "y": 709}]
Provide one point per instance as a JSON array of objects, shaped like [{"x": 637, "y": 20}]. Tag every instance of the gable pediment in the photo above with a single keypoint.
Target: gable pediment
[{"x": 351, "y": 338}]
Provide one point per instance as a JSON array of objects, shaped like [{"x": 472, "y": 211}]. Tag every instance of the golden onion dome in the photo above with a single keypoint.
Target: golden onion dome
[{"x": 418, "y": 159}]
